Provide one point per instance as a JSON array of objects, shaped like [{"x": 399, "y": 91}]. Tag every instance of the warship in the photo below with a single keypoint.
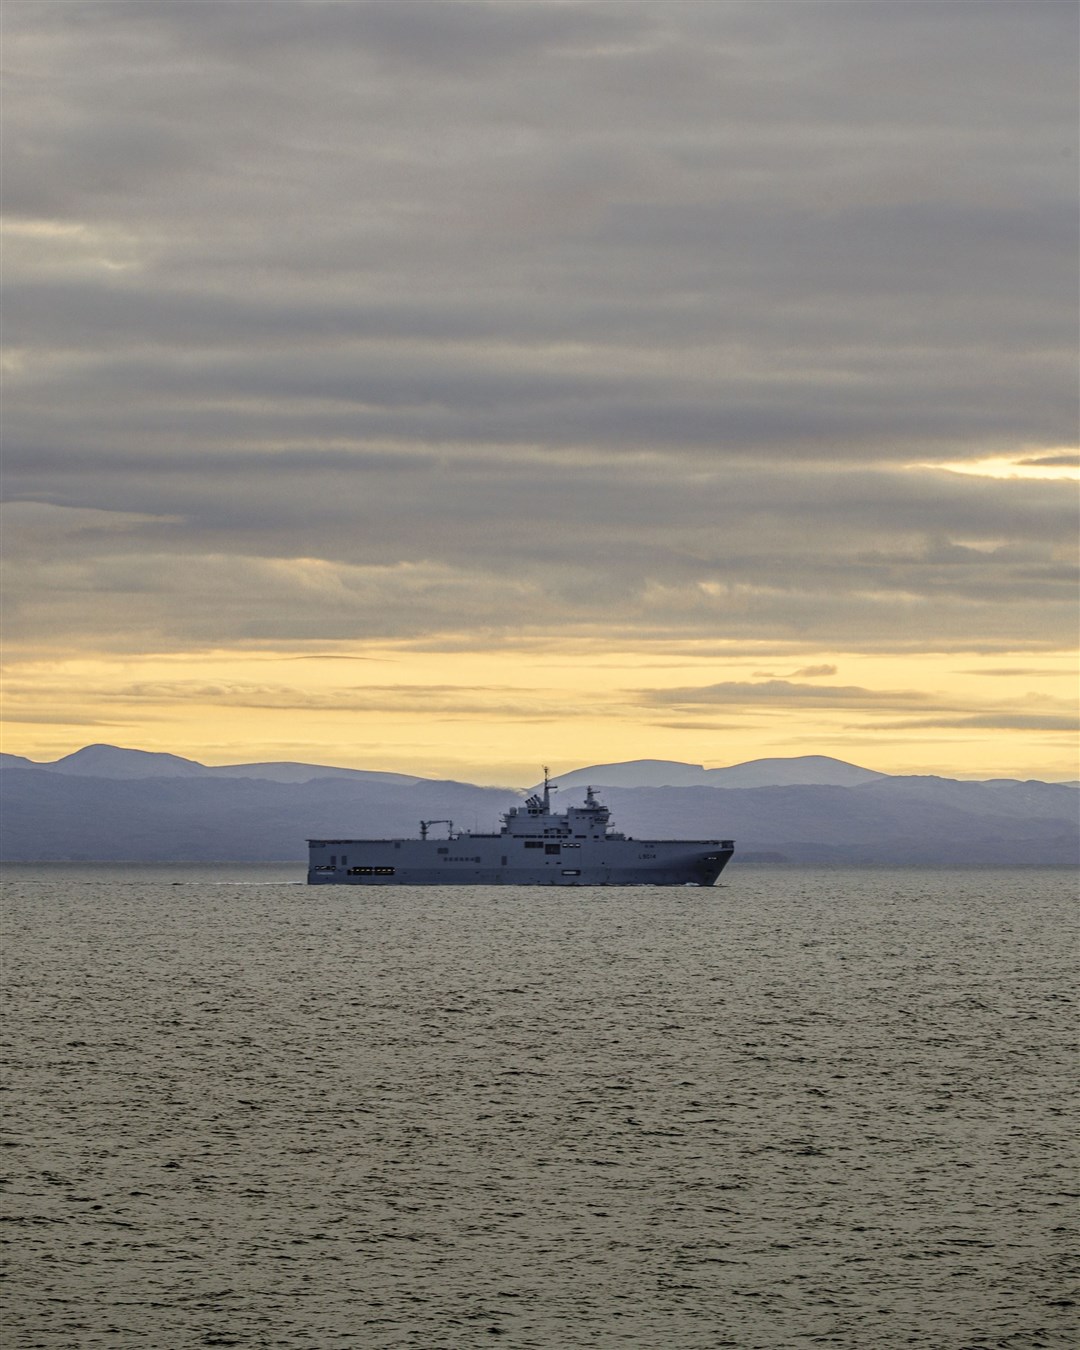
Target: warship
[{"x": 535, "y": 847}]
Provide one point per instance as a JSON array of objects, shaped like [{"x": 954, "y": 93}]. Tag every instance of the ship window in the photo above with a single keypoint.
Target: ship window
[
  {"x": 571, "y": 871},
  {"x": 371, "y": 871},
  {"x": 333, "y": 859},
  {"x": 443, "y": 850},
  {"x": 534, "y": 843},
  {"x": 504, "y": 860},
  {"x": 552, "y": 848}
]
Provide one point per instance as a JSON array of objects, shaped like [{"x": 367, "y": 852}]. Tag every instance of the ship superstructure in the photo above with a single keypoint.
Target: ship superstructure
[{"x": 535, "y": 847}]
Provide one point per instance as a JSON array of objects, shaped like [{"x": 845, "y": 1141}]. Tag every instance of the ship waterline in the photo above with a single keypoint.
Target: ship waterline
[{"x": 535, "y": 847}]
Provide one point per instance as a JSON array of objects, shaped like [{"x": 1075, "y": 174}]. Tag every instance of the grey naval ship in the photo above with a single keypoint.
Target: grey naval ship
[{"x": 535, "y": 847}]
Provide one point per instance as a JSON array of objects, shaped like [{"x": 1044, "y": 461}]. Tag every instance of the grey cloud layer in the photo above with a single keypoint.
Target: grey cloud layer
[{"x": 539, "y": 315}]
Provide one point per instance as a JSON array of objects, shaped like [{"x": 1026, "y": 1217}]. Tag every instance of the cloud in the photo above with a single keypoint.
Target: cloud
[
  {"x": 76, "y": 719},
  {"x": 995, "y": 721},
  {"x": 397, "y": 544},
  {"x": 924, "y": 710},
  {"x": 780, "y": 692},
  {"x": 1009, "y": 672},
  {"x": 701, "y": 726},
  {"x": 1063, "y": 461},
  {"x": 392, "y": 698},
  {"x": 452, "y": 323}
]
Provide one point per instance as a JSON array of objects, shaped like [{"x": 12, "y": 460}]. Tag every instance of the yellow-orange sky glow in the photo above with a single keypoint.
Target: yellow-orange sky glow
[{"x": 495, "y": 716}]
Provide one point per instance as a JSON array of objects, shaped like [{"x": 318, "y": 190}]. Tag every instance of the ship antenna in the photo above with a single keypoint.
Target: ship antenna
[{"x": 549, "y": 788}]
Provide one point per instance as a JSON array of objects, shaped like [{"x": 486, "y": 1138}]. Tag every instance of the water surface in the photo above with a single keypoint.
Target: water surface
[{"x": 816, "y": 1108}]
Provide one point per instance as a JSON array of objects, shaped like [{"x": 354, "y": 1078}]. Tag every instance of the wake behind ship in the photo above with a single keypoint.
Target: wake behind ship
[{"x": 535, "y": 847}]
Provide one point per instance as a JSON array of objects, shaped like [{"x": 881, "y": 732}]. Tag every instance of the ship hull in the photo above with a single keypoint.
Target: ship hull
[{"x": 498, "y": 861}]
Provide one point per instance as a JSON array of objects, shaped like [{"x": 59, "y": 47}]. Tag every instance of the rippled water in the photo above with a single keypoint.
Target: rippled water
[{"x": 802, "y": 1108}]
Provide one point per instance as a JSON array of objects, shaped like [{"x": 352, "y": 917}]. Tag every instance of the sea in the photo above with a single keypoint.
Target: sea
[{"x": 801, "y": 1108}]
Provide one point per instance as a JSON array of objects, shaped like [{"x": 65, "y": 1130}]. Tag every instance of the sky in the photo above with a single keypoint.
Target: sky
[{"x": 455, "y": 388}]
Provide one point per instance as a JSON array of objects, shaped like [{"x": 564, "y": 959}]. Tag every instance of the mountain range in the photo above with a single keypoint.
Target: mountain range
[
  {"x": 105, "y": 803},
  {"x": 111, "y": 761}
]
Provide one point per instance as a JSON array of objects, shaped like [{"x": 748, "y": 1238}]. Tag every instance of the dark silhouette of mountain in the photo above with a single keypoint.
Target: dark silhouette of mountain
[
  {"x": 288, "y": 772},
  {"x": 46, "y": 815},
  {"x": 801, "y": 769},
  {"x": 635, "y": 773},
  {"x": 112, "y": 761},
  {"x": 895, "y": 821},
  {"x": 16, "y": 762},
  {"x": 189, "y": 812}
]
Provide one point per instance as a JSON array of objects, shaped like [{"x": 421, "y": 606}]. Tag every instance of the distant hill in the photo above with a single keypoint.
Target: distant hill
[
  {"x": 635, "y": 773},
  {"x": 894, "y": 821},
  {"x": 46, "y": 815},
  {"x": 109, "y": 761},
  {"x": 16, "y": 762},
  {"x": 112, "y": 761},
  {"x": 106, "y": 803},
  {"x": 286, "y": 772},
  {"x": 808, "y": 770},
  {"x": 802, "y": 769}
]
